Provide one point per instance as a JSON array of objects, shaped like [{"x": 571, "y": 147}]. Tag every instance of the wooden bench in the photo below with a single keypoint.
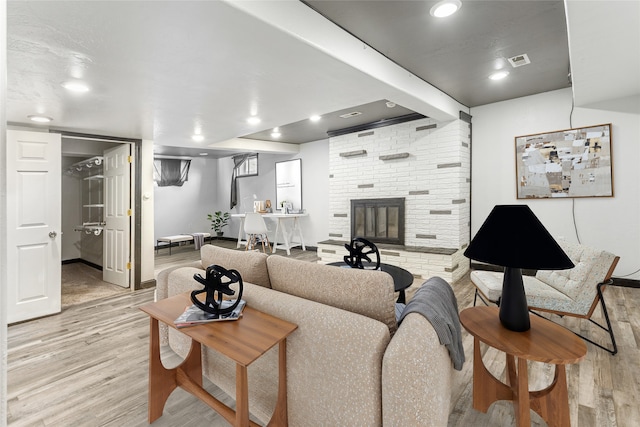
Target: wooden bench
[{"x": 178, "y": 238}]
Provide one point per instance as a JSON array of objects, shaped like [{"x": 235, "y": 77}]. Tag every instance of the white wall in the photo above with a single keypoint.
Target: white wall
[
  {"x": 611, "y": 223},
  {"x": 184, "y": 209},
  {"x": 315, "y": 189},
  {"x": 147, "y": 219},
  {"x": 180, "y": 210},
  {"x": 3, "y": 207}
]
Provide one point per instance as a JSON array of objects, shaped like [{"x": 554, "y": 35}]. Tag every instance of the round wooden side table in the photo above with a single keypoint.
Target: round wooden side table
[{"x": 545, "y": 342}]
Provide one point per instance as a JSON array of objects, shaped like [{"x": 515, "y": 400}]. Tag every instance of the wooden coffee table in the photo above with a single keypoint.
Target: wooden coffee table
[
  {"x": 243, "y": 341},
  {"x": 545, "y": 342}
]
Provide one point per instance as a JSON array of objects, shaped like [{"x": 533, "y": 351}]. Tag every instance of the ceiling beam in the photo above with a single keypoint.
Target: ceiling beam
[
  {"x": 398, "y": 84},
  {"x": 256, "y": 146}
]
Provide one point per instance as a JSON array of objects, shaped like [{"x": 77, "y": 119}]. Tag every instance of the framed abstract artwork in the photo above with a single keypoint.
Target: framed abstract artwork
[{"x": 565, "y": 163}]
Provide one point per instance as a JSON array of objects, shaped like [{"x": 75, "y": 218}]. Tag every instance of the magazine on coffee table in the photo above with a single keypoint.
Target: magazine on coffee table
[{"x": 193, "y": 315}]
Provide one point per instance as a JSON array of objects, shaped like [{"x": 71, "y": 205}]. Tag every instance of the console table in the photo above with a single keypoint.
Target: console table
[
  {"x": 545, "y": 342},
  {"x": 287, "y": 226},
  {"x": 243, "y": 341}
]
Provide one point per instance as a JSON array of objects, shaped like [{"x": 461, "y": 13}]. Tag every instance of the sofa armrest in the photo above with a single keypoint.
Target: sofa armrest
[
  {"x": 162, "y": 292},
  {"x": 417, "y": 375},
  {"x": 162, "y": 281}
]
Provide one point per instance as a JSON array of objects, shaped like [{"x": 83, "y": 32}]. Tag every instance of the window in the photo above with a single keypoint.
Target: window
[{"x": 249, "y": 167}]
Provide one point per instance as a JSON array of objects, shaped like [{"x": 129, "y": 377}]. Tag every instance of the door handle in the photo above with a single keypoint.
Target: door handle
[{"x": 53, "y": 234}]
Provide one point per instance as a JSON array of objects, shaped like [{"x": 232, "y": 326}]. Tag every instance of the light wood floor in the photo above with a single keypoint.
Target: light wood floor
[{"x": 88, "y": 367}]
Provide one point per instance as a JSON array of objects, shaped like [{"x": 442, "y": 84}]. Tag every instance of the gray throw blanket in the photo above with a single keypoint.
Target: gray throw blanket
[
  {"x": 198, "y": 240},
  {"x": 436, "y": 301}
]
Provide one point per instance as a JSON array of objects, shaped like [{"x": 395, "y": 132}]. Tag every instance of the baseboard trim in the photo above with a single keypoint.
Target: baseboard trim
[
  {"x": 147, "y": 284},
  {"x": 191, "y": 242},
  {"x": 83, "y": 261}
]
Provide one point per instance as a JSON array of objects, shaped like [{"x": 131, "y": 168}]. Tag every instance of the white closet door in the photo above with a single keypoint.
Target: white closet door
[
  {"x": 33, "y": 224},
  {"x": 117, "y": 215}
]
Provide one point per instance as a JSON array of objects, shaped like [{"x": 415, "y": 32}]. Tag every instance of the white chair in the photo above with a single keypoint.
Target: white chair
[{"x": 254, "y": 228}]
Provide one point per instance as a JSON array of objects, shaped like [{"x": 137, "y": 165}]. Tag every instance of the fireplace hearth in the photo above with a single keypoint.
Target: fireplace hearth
[{"x": 378, "y": 220}]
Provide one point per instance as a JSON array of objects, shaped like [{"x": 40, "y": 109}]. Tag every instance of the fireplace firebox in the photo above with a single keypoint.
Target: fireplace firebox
[{"x": 378, "y": 220}]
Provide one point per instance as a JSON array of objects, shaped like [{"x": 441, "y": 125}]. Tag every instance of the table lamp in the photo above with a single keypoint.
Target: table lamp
[{"x": 514, "y": 238}]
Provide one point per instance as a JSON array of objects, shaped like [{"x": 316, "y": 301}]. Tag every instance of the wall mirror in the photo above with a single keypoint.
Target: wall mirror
[{"x": 289, "y": 184}]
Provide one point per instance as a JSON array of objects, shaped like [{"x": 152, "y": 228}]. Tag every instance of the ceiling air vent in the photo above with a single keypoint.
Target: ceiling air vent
[
  {"x": 519, "y": 60},
  {"x": 351, "y": 114}
]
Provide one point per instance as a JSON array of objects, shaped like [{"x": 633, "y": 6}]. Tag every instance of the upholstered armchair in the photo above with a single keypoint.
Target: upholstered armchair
[{"x": 575, "y": 292}]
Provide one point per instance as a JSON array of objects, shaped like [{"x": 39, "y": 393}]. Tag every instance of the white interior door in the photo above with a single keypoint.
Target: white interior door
[
  {"x": 117, "y": 215},
  {"x": 33, "y": 224}
]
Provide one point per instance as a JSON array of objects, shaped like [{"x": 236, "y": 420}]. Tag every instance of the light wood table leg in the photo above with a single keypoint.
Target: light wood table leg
[
  {"x": 163, "y": 381},
  {"x": 521, "y": 398},
  {"x": 280, "y": 416},
  {"x": 486, "y": 388},
  {"x": 552, "y": 403},
  {"x": 242, "y": 396}
]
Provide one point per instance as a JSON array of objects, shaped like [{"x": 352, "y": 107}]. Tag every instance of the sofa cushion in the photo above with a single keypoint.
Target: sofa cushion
[
  {"x": 539, "y": 294},
  {"x": 251, "y": 265},
  {"x": 365, "y": 292},
  {"x": 592, "y": 266}
]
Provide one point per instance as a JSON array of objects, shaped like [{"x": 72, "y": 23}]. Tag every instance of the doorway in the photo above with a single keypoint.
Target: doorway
[{"x": 93, "y": 222}]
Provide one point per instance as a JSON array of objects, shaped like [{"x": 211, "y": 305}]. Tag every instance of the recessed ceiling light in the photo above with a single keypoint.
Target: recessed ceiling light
[
  {"x": 499, "y": 75},
  {"x": 445, "y": 8},
  {"x": 314, "y": 118},
  {"x": 253, "y": 120},
  {"x": 75, "y": 86},
  {"x": 204, "y": 154},
  {"x": 197, "y": 137},
  {"x": 275, "y": 134},
  {"x": 40, "y": 119}
]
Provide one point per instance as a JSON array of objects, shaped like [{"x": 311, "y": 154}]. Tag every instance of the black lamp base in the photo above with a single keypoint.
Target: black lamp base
[{"x": 514, "y": 311}]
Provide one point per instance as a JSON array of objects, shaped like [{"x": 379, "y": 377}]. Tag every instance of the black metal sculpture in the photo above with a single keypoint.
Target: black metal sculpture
[
  {"x": 214, "y": 283},
  {"x": 359, "y": 250}
]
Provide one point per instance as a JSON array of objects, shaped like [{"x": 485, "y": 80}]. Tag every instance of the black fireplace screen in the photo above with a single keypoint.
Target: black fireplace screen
[{"x": 378, "y": 220}]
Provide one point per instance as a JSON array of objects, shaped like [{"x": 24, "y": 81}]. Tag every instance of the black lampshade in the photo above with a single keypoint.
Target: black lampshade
[{"x": 512, "y": 236}]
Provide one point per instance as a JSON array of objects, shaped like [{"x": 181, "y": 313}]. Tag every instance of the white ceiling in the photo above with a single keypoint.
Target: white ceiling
[
  {"x": 164, "y": 70},
  {"x": 604, "y": 39}
]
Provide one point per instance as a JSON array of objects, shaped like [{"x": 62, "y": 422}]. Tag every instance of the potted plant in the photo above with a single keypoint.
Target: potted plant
[{"x": 218, "y": 221}]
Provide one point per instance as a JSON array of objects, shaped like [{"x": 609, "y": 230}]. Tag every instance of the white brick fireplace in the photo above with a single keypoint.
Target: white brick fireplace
[{"x": 423, "y": 161}]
